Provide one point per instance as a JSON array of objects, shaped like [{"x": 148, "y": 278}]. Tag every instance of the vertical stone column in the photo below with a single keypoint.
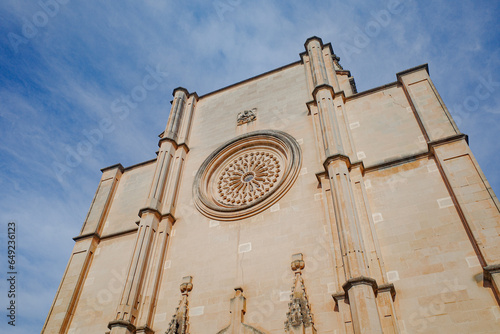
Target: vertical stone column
[
  {"x": 153, "y": 276},
  {"x": 359, "y": 288},
  {"x": 134, "y": 313},
  {"x": 61, "y": 312},
  {"x": 176, "y": 113},
  {"x": 314, "y": 48}
]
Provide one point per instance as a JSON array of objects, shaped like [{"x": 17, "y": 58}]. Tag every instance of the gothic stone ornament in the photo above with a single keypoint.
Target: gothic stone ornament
[
  {"x": 179, "y": 323},
  {"x": 299, "y": 316},
  {"x": 247, "y": 175},
  {"x": 247, "y": 116}
]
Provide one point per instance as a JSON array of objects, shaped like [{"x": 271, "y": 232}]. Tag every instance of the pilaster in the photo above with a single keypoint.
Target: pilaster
[
  {"x": 475, "y": 201},
  {"x": 141, "y": 288},
  {"x": 332, "y": 126},
  {"x": 430, "y": 111},
  {"x": 59, "y": 317}
]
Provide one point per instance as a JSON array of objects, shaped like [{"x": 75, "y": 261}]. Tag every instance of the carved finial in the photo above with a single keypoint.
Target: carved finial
[
  {"x": 186, "y": 285},
  {"x": 180, "y": 320},
  {"x": 299, "y": 311},
  {"x": 297, "y": 262}
]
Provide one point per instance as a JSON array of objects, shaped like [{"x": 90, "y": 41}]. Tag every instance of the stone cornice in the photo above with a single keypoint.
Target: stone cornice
[
  {"x": 372, "y": 90},
  {"x": 343, "y": 295},
  {"x": 312, "y": 38},
  {"x": 387, "y": 287},
  {"x": 361, "y": 280},
  {"x": 391, "y": 162},
  {"x": 339, "y": 296},
  {"x": 182, "y": 89},
  {"x": 139, "y": 164},
  {"x": 122, "y": 323},
  {"x": 442, "y": 141},
  {"x": 309, "y": 104},
  {"x": 157, "y": 213},
  {"x": 118, "y": 165},
  {"x": 176, "y": 145},
  {"x": 144, "y": 330},
  {"x": 321, "y": 87},
  {"x": 107, "y": 236},
  {"x": 396, "y": 161},
  {"x": 87, "y": 236},
  {"x": 124, "y": 169},
  {"x": 488, "y": 271},
  {"x": 343, "y": 157},
  {"x": 413, "y": 69},
  {"x": 299, "y": 62}
]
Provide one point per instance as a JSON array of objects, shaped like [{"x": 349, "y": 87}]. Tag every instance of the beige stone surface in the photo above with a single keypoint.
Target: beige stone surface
[{"x": 390, "y": 211}]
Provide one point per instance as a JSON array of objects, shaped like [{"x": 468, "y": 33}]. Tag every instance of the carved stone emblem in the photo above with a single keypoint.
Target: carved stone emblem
[{"x": 247, "y": 116}]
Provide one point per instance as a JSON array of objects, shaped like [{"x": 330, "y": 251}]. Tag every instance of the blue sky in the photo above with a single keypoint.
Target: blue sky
[{"x": 66, "y": 69}]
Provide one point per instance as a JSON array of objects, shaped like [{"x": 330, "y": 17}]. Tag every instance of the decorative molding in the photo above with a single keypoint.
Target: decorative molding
[
  {"x": 174, "y": 143},
  {"x": 413, "y": 69},
  {"x": 299, "y": 315},
  {"x": 123, "y": 324},
  {"x": 118, "y": 166},
  {"x": 387, "y": 287},
  {"x": 321, "y": 87},
  {"x": 157, "y": 213},
  {"x": 247, "y": 175},
  {"x": 144, "y": 330},
  {"x": 246, "y": 116},
  {"x": 361, "y": 280},
  {"x": 488, "y": 271},
  {"x": 180, "y": 320}
]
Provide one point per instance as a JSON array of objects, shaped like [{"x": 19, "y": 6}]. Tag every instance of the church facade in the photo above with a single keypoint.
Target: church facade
[{"x": 291, "y": 203}]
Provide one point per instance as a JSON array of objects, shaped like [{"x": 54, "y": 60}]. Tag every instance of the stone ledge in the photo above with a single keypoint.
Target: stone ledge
[
  {"x": 157, "y": 213},
  {"x": 413, "y": 69},
  {"x": 387, "y": 287},
  {"x": 176, "y": 145},
  {"x": 122, "y": 323},
  {"x": 488, "y": 271},
  {"x": 323, "y": 86},
  {"x": 361, "y": 280},
  {"x": 144, "y": 330}
]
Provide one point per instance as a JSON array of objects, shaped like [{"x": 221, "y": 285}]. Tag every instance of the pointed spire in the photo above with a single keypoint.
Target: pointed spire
[
  {"x": 180, "y": 320},
  {"x": 299, "y": 315}
]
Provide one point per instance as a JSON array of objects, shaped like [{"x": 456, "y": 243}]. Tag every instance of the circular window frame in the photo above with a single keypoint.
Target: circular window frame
[{"x": 279, "y": 142}]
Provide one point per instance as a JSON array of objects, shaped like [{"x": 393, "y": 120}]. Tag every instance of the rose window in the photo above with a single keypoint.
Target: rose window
[
  {"x": 246, "y": 175},
  {"x": 248, "y": 178}
]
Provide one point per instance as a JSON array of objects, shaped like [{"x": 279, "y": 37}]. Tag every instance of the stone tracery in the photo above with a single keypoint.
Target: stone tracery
[
  {"x": 247, "y": 178},
  {"x": 246, "y": 175}
]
